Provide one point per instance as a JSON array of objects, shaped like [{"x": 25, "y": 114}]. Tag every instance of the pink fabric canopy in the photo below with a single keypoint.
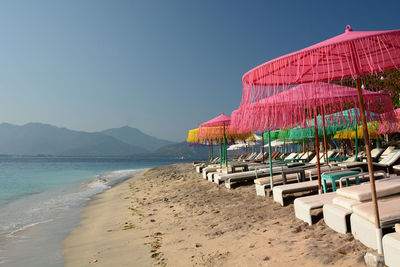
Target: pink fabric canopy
[
  {"x": 386, "y": 127},
  {"x": 296, "y": 106},
  {"x": 346, "y": 55},
  {"x": 221, "y": 120},
  {"x": 215, "y": 128}
]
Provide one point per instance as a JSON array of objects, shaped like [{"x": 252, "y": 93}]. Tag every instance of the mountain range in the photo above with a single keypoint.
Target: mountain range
[{"x": 45, "y": 139}]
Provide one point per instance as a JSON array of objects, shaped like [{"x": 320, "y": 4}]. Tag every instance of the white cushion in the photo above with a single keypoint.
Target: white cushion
[{"x": 384, "y": 187}]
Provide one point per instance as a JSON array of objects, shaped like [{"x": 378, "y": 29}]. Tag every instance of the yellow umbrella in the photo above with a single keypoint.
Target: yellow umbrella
[{"x": 351, "y": 134}]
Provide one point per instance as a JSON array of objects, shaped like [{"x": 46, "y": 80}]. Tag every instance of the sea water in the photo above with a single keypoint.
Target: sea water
[{"x": 41, "y": 198}]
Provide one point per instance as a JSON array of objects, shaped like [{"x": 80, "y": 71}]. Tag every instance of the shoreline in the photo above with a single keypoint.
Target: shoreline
[
  {"x": 87, "y": 242},
  {"x": 170, "y": 216}
]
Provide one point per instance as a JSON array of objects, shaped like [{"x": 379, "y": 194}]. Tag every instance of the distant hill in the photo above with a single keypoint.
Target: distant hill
[
  {"x": 137, "y": 138},
  {"x": 38, "y": 138},
  {"x": 184, "y": 150}
]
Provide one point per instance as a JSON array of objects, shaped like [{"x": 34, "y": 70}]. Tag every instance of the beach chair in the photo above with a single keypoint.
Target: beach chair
[
  {"x": 389, "y": 161},
  {"x": 376, "y": 153},
  {"x": 363, "y": 224},
  {"x": 391, "y": 247},
  {"x": 386, "y": 163},
  {"x": 307, "y": 156},
  {"x": 262, "y": 183},
  {"x": 387, "y": 151},
  {"x": 304, "y": 206},
  {"x": 280, "y": 191},
  {"x": 291, "y": 157},
  {"x": 337, "y": 214}
]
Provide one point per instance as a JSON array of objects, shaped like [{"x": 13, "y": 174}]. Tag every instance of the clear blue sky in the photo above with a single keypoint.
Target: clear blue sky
[{"x": 161, "y": 66}]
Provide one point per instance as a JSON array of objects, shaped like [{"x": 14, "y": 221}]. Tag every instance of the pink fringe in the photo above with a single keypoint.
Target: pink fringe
[{"x": 271, "y": 100}]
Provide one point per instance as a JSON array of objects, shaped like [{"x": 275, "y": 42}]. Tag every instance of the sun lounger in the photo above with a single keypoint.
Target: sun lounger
[
  {"x": 375, "y": 153},
  {"x": 391, "y": 249},
  {"x": 262, "y": 183},
  {"x": 199, "y": 167},
  {"x": 251, "y": 157},
  {"x": 314, "y": 171},
  {"x": 387, "y": 151},
  {"x": 307, "y": 156},
  {"x": 281, "y": 190},
  {"x": 388, "y": 161},
  {"x": 362, "y": 220},
  {"x": 291, "y": 156},
  {"x": 246, "y": 176},
  {"x": 337, "y": 213},
  {"x": 396, "y": 169},
  {"x": 330, "y": 154},
  {"x": 212, "y": 168},
  {"x": 303, "y": 206}
]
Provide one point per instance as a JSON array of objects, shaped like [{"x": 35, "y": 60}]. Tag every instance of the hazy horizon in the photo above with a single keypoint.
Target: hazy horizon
[
  {"x": 163, "y": 67},
  {"x": 80, "y": 130}
]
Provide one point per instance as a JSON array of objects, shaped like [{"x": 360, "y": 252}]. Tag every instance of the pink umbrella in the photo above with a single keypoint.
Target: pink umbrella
[
  {"x": 352, "y": 54},
  {"x": 295, "y": 107},
  {"x": 216, "y": 129},
  {"x": 387, "y": 127}
]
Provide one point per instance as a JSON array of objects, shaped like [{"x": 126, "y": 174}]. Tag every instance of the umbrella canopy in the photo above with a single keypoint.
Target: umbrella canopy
[
  {"x": 215, "y": 128},
  {"x": 350, "y": 54},
  {"x": 336, "y": 122},
  {"x": 192, "y": 137},
  {"x": 351, "y": 133},
  {"x": 296, "y": 107},
  {"x": 387, "y": 127}
]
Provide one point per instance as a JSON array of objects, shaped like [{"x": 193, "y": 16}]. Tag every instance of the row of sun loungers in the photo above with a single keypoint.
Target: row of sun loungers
[{"x": 349, "y": 209}]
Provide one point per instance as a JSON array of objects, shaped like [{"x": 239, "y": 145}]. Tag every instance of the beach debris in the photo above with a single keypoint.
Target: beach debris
[
  {"x": 251, "y": 245},
  {"x": 154, "y": 255},
  {"x": 266, "y": 258},
  {"x": 197, "y": 245},
  {"x": 374, "y": 260},
  {"x": 128, "y": 226},
  {"x": 152, "y": 220},
  {"x": 93, "y": 261}
]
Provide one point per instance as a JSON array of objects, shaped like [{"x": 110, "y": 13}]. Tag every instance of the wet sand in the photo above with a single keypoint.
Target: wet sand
[{"x": 170, "y": 216}]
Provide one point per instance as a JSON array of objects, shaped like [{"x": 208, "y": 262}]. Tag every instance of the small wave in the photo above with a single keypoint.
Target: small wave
[
  {"x": 12, "y": 234},
  {"x": 47, "y": 206}
]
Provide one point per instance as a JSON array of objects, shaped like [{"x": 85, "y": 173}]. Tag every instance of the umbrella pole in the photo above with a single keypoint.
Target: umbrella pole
[
  {"x": 377, "y": 141},
  {"x": 323, "y": 130},
  {"x": 378, "y": 228},
  {"x": 262, "y": 146},
  {"x": 271, "y": 178},
  {"x": 356, "y": 143},
  {"x": 225, "y": 151},
  {"x": 284, "y": 148},
  {"x": 220, "y": 153},
  {"x": 212, "y": 150},
  {"x": 317, "y": 152},
  {"x": 209, "y": 151}
]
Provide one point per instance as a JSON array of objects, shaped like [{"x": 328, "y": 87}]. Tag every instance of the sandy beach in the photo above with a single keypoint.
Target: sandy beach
[{"x": 170, "y": 216}]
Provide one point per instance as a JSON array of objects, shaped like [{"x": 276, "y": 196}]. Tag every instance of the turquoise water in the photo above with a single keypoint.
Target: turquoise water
[{"x": 41, "y": 197}]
